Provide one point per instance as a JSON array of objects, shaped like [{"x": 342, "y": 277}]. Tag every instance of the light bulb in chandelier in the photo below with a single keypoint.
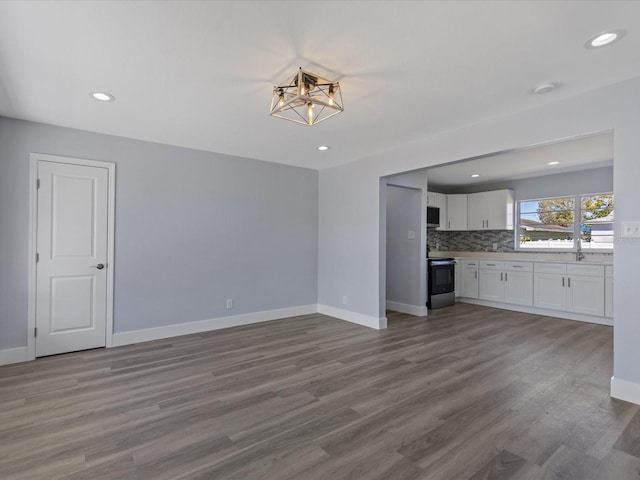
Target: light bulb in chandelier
[
  {"x": 331, "y": 94},
  {"x": 310, "y": 113}
]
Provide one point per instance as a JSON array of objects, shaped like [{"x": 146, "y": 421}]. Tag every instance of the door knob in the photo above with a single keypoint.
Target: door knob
[{"x": 99, "y": 266}]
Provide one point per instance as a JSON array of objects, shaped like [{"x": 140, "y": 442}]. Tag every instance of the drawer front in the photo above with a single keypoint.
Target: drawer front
[
  {"x": 559, "y": 268},
  {"x": 491, "y": 265},
  {"x": 518, "y": 266},
  {"x": 470, "y": 263},
  {"x": 587, "y": 270},
  {"x": 608, "y": 271}
]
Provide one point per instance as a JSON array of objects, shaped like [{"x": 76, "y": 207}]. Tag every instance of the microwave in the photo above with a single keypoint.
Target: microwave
[{"x": 433, "y": 217}]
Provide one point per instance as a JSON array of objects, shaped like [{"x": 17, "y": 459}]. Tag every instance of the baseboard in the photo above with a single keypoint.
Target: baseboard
[
  {"x": 625, "y": 390},
  {"x": 580, "y": 317},
  {"x": 418, "y": 311},
  {"x": 158, "y": 333},
  {"x": 13, "y": 355},
  {"x": 353, "y": 317}
]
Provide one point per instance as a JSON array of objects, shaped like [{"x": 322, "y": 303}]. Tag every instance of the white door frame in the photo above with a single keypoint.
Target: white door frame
[{"x": 33, "y": 231}]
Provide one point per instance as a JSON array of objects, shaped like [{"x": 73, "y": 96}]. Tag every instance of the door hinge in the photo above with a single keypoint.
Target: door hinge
[
  {"x": 38, "y": 183},
  {"x": 35, "y": 332},
  {"x": 37, "y": 257}
]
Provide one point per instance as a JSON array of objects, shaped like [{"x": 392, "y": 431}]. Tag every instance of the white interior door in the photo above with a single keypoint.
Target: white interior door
[{"x": 72, "y": 246}]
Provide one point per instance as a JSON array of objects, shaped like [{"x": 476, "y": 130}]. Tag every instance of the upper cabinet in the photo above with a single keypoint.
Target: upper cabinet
[
  {"x": 491, "y": 210},
  {"x": 456, "y": 213},
  {"x": 439, "y": 200},
  {"x": 435, "y": 199}
]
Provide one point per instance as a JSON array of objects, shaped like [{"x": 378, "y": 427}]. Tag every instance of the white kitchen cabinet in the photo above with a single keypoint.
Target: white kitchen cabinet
[
  {"x": 508, "y": 282},
  {"x": 608, "y": 291},
  {"x": 491, "y": 281},
  {"x": 585, "y": 289},
  {"x": 435, "y": 199},
  {"x": 457, "y": 279},
  {"x": 439, "y": 200},
  {"x": 470, "y": 278},
  {"x": 492, "y": 210},
  {"x": 548, "y": 291},
  {"x": 518, "y": 278},
  {"x": 456, "y": 218},
  {"x": 571, "y": 288}
]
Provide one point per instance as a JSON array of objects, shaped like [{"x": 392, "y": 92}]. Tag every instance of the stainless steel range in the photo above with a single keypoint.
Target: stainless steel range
[{"x": 441, "y": 282}]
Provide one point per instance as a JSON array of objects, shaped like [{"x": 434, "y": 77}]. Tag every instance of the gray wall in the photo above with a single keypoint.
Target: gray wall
[
  {"x": 404, "y": 212},
  {"x": 192, "y": 229},
  {"x": 594, "y": 180}
]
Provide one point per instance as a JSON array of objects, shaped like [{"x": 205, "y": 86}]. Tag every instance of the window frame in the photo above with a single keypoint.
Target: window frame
[{"x": 577, "y": 222}]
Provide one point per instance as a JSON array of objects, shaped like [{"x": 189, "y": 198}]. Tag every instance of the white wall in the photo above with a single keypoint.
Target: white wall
[
  {"x": 349, "y": 248},
  {"x": 192, "y": 229}
]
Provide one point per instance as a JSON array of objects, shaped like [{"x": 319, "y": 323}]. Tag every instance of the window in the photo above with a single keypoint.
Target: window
[{"x": 553, "y": 223}]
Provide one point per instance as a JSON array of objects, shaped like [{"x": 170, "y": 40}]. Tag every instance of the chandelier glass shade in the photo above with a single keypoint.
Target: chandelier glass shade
[{"x": 308, "y": 99}]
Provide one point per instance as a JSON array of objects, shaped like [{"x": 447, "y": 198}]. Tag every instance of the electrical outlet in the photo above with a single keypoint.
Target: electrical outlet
[
  {"x": 411, "y": 235},
  {"x": 495, "y": 246},
  {"x": 344, "y": 300},
  {"x": 229, "y": 303}
]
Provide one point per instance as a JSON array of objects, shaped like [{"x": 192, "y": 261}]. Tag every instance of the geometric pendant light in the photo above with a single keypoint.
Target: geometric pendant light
[{"x": 308, "y": 99}]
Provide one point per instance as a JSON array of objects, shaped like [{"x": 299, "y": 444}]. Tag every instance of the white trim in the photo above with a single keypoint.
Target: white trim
[
  {"x": 625, "y": 390},
  {"x": 167, "y": 331},
  {"x": 353, "y": 317},
  {"x": 580, "y": 317},
  {"x": 13, "y": 355},
  {"x": 33, "y": 218},
  {"x": 417, "y": 310}
]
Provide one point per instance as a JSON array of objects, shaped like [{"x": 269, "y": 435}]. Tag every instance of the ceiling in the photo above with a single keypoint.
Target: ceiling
[
  {"x": 582, "y": 153},
  {"x": 200, "y": 74}
]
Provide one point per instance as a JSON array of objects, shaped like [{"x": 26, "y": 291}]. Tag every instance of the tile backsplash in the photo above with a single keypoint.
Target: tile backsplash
[
  {"x": 471, "y": 241},
  {"x": 482, "y": 241}
]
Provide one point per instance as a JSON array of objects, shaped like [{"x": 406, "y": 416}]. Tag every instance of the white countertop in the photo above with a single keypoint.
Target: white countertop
[{"x": 597, "y": 258}]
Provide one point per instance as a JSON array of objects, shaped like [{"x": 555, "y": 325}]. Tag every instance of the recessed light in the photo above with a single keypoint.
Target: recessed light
[
  {"x": 604, "y": 39},
  {"x": 553, "y": 163},
  {"x": 543, "y": 88},
  {"x": 475, "y": 175},
  {"x": 103, "y": 97},
  {"x": 323, "y": 148}
]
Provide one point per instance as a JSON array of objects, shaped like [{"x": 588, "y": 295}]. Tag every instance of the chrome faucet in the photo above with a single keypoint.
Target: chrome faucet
[{"x": 579, "y": 254}]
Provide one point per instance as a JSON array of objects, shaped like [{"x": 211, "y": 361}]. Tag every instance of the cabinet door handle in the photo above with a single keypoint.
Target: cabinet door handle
[
  {"x": 491, "y": 264},
  {"x": 487, "y": 223},
  {"x": 475, "y": 274},
  {"x": 505, "y": 276},
  {"x": 449, "y": 224},
  {"x": 569, "y": 282},
  {"x": 563, "y": 281}
]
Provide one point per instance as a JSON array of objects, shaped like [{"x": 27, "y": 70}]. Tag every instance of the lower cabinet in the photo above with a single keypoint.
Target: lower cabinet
[
  {"x": 470, "y": 280},
  {"x": 549, "y": 291},
  {"x": 519, "y": 284},
  {"x": 578, "y": 288},
  {"x": 571, "y": 288},
  {"x": 508, "y": 282}
]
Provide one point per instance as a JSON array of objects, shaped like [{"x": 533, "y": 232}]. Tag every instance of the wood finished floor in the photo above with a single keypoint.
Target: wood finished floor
[{"x": 466, "y": 393}]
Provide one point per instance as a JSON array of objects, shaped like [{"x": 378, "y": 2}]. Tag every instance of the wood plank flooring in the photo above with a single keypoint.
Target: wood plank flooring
[{"x": 466, "y": 393}]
